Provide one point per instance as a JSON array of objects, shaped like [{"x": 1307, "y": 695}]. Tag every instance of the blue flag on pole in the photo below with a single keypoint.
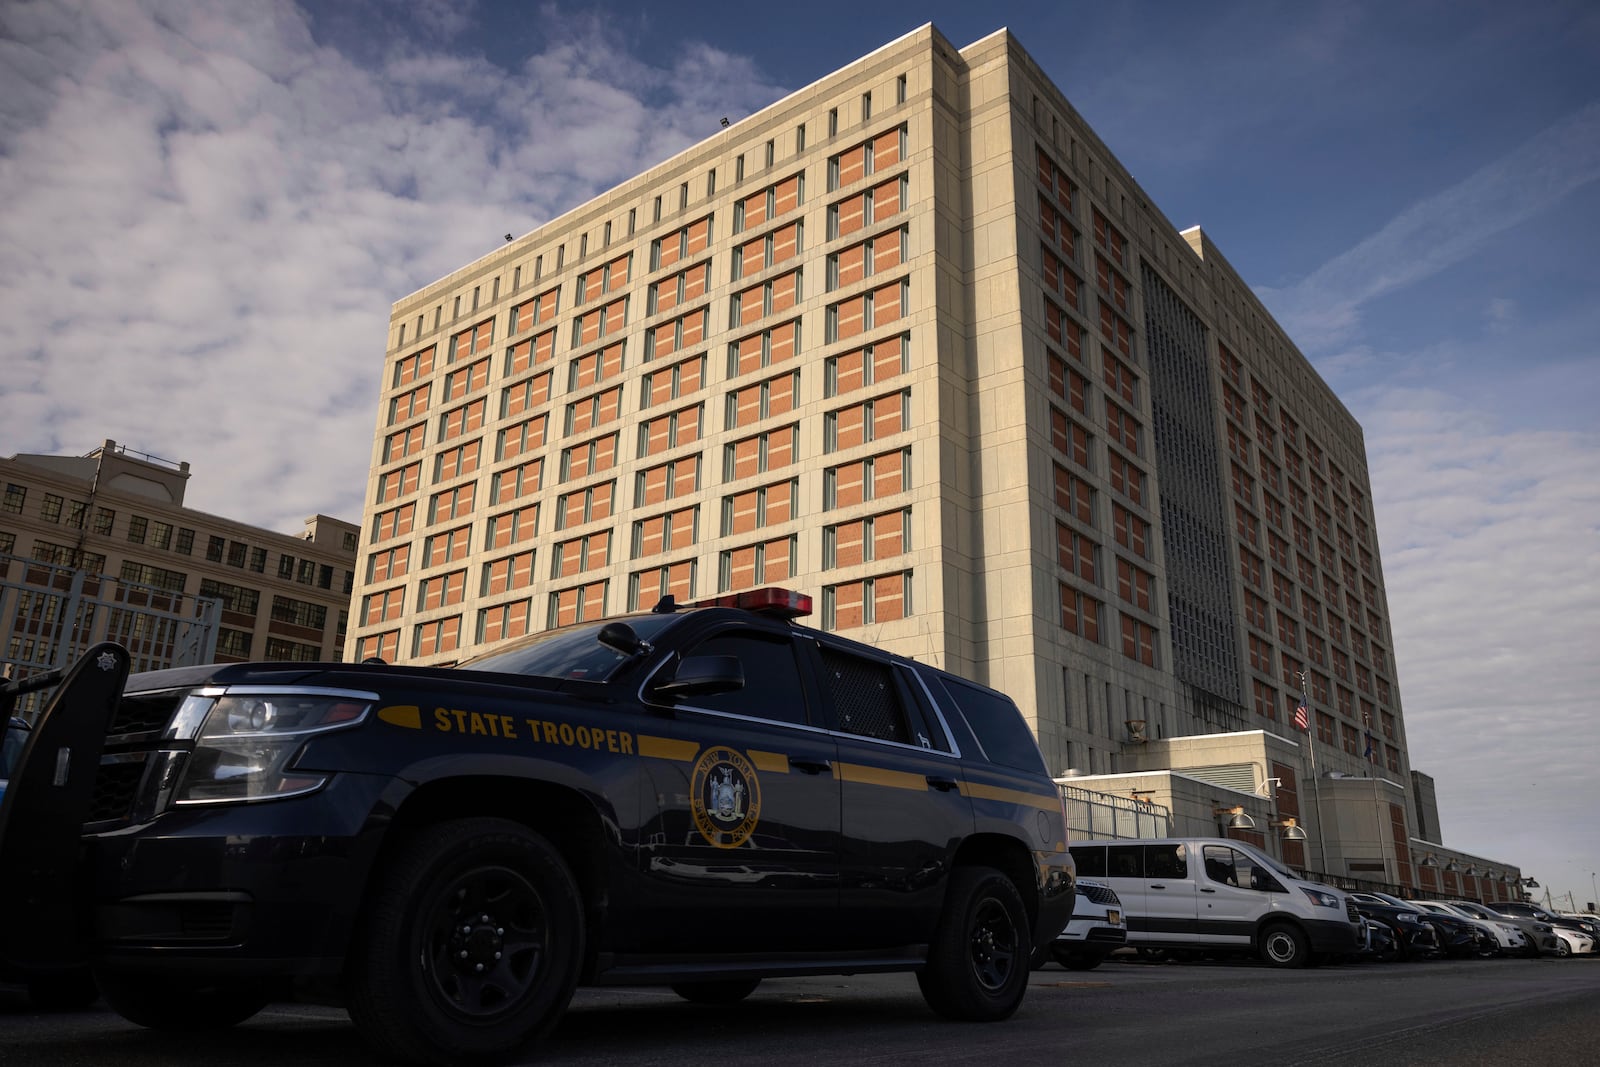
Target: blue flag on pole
[{"x": 1372, "y": 748}]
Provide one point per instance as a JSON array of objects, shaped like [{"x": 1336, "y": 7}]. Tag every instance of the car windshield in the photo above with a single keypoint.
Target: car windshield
[{"x": 572, "y": 652}]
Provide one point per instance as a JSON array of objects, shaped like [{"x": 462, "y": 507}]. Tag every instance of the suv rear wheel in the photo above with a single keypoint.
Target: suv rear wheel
[
  {"x": 472, "y": 945},
  {"x": 979, "y": 962}
]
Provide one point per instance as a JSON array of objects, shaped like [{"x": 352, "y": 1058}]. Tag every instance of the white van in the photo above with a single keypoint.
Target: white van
[{"x": 1213, "y": 894}]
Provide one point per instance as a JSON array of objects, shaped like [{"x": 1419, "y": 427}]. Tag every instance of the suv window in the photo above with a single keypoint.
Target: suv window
[
  {"x": 772, "y": 686},
  {"x": 1165, "y": 861},
  {"x": 996, "y": 723},
  {"x": 865, "y": 695}
]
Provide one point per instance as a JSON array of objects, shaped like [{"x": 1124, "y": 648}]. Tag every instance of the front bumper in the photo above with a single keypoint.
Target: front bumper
[
  {"x": 1335, "y": 936},
  {"x": 238, "y": 889}
]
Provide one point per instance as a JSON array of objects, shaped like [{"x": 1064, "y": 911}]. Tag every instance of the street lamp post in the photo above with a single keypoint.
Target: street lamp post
[{"x": 1594, "y": 898}]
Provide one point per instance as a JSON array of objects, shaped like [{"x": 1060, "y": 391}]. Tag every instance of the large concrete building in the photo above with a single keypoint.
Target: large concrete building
[
  {"x": 911, "y": 340},
  {"x": 102, "y": 546}
]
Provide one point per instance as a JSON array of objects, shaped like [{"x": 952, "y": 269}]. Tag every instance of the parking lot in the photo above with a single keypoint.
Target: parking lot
[{"x": 1501, "y": 1012}]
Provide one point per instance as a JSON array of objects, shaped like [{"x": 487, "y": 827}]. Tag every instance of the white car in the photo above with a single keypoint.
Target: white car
[
  {"x": 1098, "y": 928},
  {"x": 1509, "y": 938},
  {"x": 1574, "y": 943}
]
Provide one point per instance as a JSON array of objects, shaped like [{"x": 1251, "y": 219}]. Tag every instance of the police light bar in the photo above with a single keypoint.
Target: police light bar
[{"x": 778, "y": 603}]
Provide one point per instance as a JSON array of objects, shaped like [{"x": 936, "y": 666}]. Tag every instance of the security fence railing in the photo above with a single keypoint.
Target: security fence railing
[{"x": 1098, "y": 816}]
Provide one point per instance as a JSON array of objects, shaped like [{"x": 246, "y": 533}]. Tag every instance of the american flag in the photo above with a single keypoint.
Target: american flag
[{"x": 1302, "y": 717}]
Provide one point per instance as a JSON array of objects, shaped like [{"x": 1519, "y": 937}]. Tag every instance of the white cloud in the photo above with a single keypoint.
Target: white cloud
[
  {"x": 1491, "y": 549},
  {"x": 205, "y": 216},
  {"x": 1323, "y": 309}
]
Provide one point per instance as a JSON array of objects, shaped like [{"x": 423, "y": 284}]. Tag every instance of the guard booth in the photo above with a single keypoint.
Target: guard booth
[{"x": 50, "y": 614}]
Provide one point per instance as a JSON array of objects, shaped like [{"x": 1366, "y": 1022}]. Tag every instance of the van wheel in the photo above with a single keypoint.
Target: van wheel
[
  {"x": 472, "y": 944},
  {"x": 978, "y": 963},
  {"x": 1284, "y": 946}
]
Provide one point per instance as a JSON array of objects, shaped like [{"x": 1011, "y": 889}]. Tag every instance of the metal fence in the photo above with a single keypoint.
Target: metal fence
[
  {"x": 50, "y": 614},
  {"x": 1095, "y": 816}
]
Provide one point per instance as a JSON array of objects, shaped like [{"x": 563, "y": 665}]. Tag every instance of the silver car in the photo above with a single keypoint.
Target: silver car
[
  {"x": 1510, "y": 939},
  {"x": 1542, "y": 939}
]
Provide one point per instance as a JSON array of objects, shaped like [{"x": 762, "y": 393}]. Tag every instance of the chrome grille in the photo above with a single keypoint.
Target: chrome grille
[{"x": 1100, "y": 894}]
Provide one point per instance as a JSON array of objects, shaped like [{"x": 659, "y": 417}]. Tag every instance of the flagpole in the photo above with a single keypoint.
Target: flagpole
[
  {"x": 1377, "y": 804},
  {"x": 1316, "y": 786}
]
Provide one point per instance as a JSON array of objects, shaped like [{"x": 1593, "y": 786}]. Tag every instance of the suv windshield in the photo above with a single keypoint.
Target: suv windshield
[{"x": 572, "y": 652}]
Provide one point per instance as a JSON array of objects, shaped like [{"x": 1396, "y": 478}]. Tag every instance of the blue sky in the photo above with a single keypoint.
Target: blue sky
[{"x": 207, "y": 208}]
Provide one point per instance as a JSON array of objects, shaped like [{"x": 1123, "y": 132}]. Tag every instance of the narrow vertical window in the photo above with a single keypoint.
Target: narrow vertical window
[
  {"x": 833, "y": 122},
  {"x": 900, "y": 89},
  {"x": 866, "y": 106}
]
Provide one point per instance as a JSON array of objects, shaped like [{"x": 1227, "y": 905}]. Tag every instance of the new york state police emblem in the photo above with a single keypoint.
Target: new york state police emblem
[{"x": 725, "y": 797}]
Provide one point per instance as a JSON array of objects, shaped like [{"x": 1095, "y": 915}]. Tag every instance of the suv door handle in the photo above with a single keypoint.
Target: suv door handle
[
  {"x": 1158, "y": 887},
  {"x": 943, "y": 784},
  {"x": 810, "y": 766},
  {"x": 1208, "y": 890}
]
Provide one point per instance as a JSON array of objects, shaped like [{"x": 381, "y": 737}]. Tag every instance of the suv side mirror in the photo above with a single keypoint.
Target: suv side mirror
[
  {"x": 619, "y": 637},
  {"x": 704, "y": 674}
]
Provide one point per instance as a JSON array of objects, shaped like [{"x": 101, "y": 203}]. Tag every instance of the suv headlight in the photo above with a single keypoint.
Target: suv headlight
[
  {"x": 1321, "y": 899},
  {"x": 1408, "y": 916},
  {"x": 246, "y": 740}
]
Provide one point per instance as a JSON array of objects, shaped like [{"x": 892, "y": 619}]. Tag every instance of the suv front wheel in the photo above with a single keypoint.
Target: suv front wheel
[
  {"x": 978, "y": 963},
  {"x": 472, "y": 944}
]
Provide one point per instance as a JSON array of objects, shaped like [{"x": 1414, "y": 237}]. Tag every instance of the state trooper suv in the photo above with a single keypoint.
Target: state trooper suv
[{"x": 701, "y": 797}]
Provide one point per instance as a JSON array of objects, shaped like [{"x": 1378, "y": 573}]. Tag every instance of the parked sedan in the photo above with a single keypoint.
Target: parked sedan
[
  {"x": 1574, "y": 943},
  {"x": 1458, "y": 936},
  {"x": 1509, "y": 939},
  {"x": 1533, "y": 911},
  {"x": 1542, "y": 939},
  {"x": 1414, "y": 935}
]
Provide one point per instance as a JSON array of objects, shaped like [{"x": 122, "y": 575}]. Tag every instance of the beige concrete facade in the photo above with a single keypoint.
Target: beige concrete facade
[
  {"x": 119, "y": 515},
  {"x": 910, "y": 340}
]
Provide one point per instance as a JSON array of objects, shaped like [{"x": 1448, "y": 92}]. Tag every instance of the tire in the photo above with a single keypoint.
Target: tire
[
  {"x": 1563, "y": 950},
  {"x": 978, "y": 964},
  {"x": 180, "y": 1006},
  {"x": 472, "y": 945},
  {"x": 64, "y": 991},
  {"x": 1283, "y": 945},
  {"x": 721, "y": 991}
]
